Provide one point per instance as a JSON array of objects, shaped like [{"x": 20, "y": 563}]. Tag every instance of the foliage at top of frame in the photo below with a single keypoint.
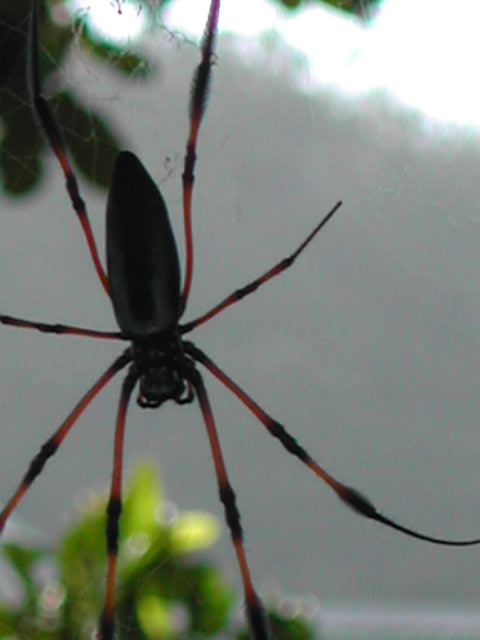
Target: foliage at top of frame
[
  {"x": 166, "y": 587},
  {"x": 91, "y": 141},
  {"x": 357, "y": 7}
]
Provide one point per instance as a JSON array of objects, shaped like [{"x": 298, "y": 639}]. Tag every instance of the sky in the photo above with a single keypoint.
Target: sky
[{"x": 390, "y": 52}]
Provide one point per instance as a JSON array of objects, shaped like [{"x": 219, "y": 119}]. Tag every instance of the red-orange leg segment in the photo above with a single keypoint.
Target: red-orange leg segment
[
  {"x": 60, "y": 329},
  {"x": 276, "y": 270},
  {"x": 52, "y": 131},
  {"x": 254, "y": 606},
  {"x": 198, "y": 100},
  {"x": 349, "y": 495},
  {"x": 51, "y": 445},
  {"x": 114, "y": 507}
]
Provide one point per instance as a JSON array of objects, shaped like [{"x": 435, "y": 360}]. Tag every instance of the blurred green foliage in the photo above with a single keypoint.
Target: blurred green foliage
[
  {"x": 89, "y": 136},
  {"x": 357, "y": 7},
  {"x": 166, "y": 589},
  {"x": 91, "y": 142}
]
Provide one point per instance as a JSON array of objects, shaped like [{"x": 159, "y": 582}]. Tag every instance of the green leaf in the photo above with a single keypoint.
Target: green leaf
[
  {"x": 131, "y": 64},
  {"x": 157, "y": 618},
  {"x": 211, "y": 600},
  {"x": 143, "y": 502},
  {"x": 193, "y": 531},
  {"x": 20, "y": 164},
  {"x": 90, "y": 142},
  {"x": 284, "y": 626},
  {"x": 291, "y": 4},
  {"x": 22, "y": 560},
  {"x": 161, "y": 594}
]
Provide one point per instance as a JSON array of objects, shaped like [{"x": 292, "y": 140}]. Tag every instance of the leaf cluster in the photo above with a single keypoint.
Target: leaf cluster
[
  {"x": 87, "y": 133},
  {"x": 167, "y": 588}
]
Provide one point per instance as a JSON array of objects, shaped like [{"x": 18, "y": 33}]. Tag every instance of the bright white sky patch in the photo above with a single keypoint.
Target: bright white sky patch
[
  {"x": 246, "y": 18},
  {"x": 423, "y": 51},
  {"x": 108, "y": 22},
  {"x": 427, "y": 53}
]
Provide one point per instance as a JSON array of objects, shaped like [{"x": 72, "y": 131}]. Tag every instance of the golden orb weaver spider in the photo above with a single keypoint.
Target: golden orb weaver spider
[{"x": 143, "y": 282}]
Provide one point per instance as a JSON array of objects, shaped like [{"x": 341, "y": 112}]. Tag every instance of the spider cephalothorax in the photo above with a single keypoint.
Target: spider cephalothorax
[{"x": 162, "y": 368}]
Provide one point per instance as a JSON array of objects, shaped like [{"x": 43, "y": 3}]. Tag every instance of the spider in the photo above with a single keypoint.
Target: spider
[{"x": 143, "y": 282}]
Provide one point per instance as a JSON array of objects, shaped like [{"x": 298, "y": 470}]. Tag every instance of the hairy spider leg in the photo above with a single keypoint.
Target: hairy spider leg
[
  {"x": 114, "y": 508},
  {"x": 255, "y": 611},
  {"x": 51, "y": 446},
  {"x": 198, "y": 101},
  {"x": 274, "y": 271},
  {"x": 349, "y": 495},
  {"x": 52, "y": 130}
]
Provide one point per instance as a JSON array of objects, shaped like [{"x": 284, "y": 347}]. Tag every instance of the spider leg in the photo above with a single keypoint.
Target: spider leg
[
  {"x": 274, "y": 271},
  {"x": 254, "y": 606},
  {"x": 54, "y": 136},
  {"x": 198, "y": 100},
  {"x": 60, "y": 329},
  {"x": 114, "y": 508},
  {"x": 349, "y": 495},
  {"x": 51, "y": 445}
]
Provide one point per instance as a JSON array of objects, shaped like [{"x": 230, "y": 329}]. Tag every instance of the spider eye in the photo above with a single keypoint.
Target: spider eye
[{"x": 159, "y": 384}]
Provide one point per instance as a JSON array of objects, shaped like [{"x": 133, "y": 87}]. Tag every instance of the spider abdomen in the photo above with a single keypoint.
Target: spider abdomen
[{"x": 142, "y": 259}]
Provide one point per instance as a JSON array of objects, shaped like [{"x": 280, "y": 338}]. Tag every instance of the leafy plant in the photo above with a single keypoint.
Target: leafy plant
[
  {"x": 166, "y": 590},
  {"x": 94, "y": 146},
  {"x": 88, "y": 134}
]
